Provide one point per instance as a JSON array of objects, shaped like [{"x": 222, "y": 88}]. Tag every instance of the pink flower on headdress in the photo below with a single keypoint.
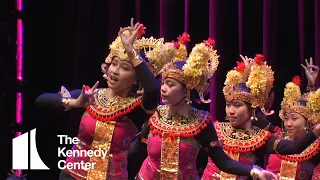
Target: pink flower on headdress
[
  {"x": 296, "y": 80},
  {"x": 209, "y": 42},
  {"x": 259, "y": 59},
  {"x": 184, "y": 38},
  {"x": 176, "y": 44},
  {"x": 141, "y": 30},
  {"x": 240, "y": 67}
]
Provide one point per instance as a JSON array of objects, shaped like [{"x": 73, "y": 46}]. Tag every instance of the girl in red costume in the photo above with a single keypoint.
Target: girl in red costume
[
  {"x": 247, "y": 88},
  {"x": 113, "y": 115},
  {"x": 299, "y": 113},
  {"x": 177, "y": 131}
]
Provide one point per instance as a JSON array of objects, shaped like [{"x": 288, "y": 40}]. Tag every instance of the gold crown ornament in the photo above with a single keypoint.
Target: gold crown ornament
[
  {"x": 194, "y": 70},
  {"x": 307, "y": 104},
  {"x": 140, "y": 44},
  {"x": 250, "y": 83},
  {"x": 168, "y": 52}
]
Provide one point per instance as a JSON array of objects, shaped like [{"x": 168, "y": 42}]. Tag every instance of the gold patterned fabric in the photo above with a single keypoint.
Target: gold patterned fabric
[
  {"x": 169, "y": 157},
  {"x": 106, "y": 110},
  {"x": 289, "y": 163},
  {"x": 101, "y": 141},
  {"x": 105, "y": 114},
  {"x": 172, "y": 129},
  {"x": 288, "y": 170}
]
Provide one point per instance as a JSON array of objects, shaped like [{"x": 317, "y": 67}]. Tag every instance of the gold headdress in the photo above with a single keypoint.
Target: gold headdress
[
  {"x": 250, "y": 83},
  {"x": 195, "y": 70},
  {"x": 145, "y": 44},
  {"x": 168, "y": 52},
  {"x": 308, "y": 104}
]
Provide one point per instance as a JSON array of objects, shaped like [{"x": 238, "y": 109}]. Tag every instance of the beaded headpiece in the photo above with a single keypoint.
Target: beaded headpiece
[
  {"x": 140, "y": 44},
  {"x": 307, "y": 104},
  {"x": 250, "y": 83},
  {"x": 194, "y": 70}
]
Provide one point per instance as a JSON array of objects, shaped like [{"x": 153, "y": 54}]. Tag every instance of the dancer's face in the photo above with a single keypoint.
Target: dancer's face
[
  {"x": 295, "y": 125},
  {"x": 237, "y": 112},
  {"x": 121, "y": 74},
  {"x": 172, "y": 91}
]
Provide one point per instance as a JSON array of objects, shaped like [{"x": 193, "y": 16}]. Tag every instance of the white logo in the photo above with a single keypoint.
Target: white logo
[{"x": 20, "y": 153}]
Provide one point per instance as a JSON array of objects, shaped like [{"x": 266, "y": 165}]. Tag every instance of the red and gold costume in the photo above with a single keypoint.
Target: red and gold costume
[
  {"x": 173, "y": 141},
  {"x": 298, "y": 166},
  {"x": 110, "y": 124},
  {"x": 250, "y": 83}
]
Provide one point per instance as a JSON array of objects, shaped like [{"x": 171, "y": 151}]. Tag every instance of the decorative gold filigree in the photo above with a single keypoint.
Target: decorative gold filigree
[
  {"x": 106, "y": 109},
  {"x": 288, "y": 170},
  {"x": 145, "y": 44},
  {"x": 256, "y": 76},
  {"x": 199, "y": 67},
  {"x": 307, "y": 104},
  {"x": 169, "y": 167},
  {"x": 240, "y": 140},
  {"x": 185, "y": 126},
  {"x": 101, "y": 141}
]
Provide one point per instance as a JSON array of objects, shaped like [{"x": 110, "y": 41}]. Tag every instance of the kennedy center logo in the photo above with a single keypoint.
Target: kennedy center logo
[{"x": 20, "y": 153}]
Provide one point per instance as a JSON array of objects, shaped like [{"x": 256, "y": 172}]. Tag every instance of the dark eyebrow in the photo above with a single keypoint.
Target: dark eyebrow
[
  {"x": 115, "y": 60},
  {"x": 127, "y": 63}
]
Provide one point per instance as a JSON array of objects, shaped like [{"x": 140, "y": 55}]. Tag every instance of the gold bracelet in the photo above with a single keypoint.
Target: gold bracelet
[
  {"x": 256, "y": 170},
  {"x": 65, "y": 102}
]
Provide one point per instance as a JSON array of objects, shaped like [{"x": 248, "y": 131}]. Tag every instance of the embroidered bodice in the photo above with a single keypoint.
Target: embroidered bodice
[
  {"x": 106, "y": 126},
  {"x": 172, "y": 148}
]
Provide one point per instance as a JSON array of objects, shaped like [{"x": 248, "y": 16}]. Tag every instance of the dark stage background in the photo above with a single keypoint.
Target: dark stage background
[{"x": 65, "y": 42}]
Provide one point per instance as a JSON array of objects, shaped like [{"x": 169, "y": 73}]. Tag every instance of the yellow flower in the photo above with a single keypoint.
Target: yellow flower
[
  {"x": 181, "y": 53},
  {"x": 291, "y": 92},
  {"x": 233, "y": 77},
  {"x": 196, "y": 64},
  {"x": 257, "y": 80},
  {"x": 159, "y": 56},
  {"x": 314, "y": 101}
]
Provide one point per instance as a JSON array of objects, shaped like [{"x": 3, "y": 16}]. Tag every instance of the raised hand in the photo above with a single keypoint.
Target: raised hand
[
  {"x": 87, "y": 96},
  {"x": 128, "y": 40},
  {"x": 311, "y": 71},
  {"x": 246, "y": 60}
]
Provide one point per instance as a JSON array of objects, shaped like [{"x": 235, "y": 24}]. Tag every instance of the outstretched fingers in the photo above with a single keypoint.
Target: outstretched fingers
[{"x": 95, "y": 86}]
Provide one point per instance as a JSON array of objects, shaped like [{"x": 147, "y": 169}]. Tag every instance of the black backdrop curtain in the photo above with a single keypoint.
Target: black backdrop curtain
[{"x": 66, "y": 42}]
